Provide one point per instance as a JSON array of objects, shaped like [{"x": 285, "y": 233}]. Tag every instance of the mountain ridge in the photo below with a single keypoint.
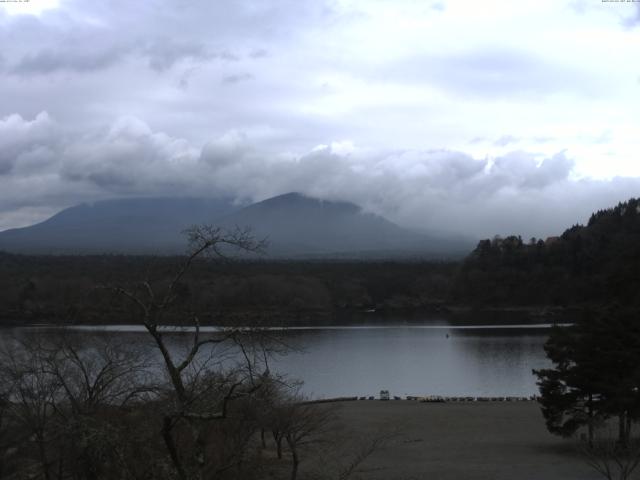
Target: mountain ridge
[{"x": 296, "y": 225}]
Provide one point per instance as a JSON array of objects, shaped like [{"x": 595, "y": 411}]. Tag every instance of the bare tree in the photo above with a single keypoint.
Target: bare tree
[
  {"x": 32, "y": 402},
  {"x": 314, "y": 435},
  {"x": 95, "y": 371},
  {"x": 201, "y": 389},
  {"x": 612, "y": 459},
  {"x": 6, "y": 443},
  {"x": 59, "y": 400},
  {"x": 89, "y": 407},
  {"x": 303, "y": 424},
  {"x": 98, "y": 376}
]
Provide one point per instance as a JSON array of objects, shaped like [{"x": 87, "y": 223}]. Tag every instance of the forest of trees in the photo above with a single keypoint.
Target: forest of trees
[
  {"x": 596, "y": 264},
  {"x": 594, "y": 381},
  {"x": 587, "y": 266},
  {"x": 67, "y": 289}
]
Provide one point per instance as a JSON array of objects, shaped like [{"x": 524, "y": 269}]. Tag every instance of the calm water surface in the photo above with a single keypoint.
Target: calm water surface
[
  {"x": 416, "y": 361},
  {"x": 427, "y": 359}
]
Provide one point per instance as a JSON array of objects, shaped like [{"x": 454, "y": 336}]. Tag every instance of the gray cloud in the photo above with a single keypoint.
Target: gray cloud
[
  {"x": 502, "y": 72},
  {"x": 163, "y": 54},
  {"x": 237, "y": 78},
  {"x": 493, "y": 72},
  {"x": 520, "y": 170},
  {"x": 49, "y": 61},
  {"x": 432, "y": 189},
  {"x": 22, "y": 142},
  {"x": 505, "y": 140},
  {"x": 173, "y": 63},
  {"x": 540, "y": 140},
  {"x": 259, "y": 53},
  {"x": 82, "y": 37},
  {"x": 634, "y": 20},
  {"x": 408, "y": 98},
  {"x": 441, "y": 190},
  {"x": 129, "y": 158}
]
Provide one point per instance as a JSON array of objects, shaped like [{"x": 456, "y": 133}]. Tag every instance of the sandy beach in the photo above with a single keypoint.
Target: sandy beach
[{"x": 453, "y": 441}]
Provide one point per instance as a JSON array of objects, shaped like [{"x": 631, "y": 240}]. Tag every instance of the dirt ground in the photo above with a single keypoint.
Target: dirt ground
[{"x": 456, "y": 441}]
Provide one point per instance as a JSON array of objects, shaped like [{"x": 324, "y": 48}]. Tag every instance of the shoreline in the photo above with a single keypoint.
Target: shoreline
[
  {"x": 139, "y": 328},
  {"x": 427, "y": 399},
  {"x": 456, "y": 314}
]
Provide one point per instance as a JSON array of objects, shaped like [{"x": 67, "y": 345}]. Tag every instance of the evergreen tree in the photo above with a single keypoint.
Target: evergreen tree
[
  {"x": 568, "y": 396},
  {"x": 596, "y": 374}
]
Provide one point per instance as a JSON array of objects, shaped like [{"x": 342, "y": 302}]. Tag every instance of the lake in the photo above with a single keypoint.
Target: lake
[
  {"x": 406, "y": 359},
  {"x": 415, "y": 360}
]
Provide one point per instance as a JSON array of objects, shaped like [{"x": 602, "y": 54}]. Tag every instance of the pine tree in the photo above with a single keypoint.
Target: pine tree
[{"x": 596, "y": 375}]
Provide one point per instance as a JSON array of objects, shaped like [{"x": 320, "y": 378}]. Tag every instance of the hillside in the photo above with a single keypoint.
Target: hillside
[
  {"x": 140, "y": 225},
  {"x": 594, "y": 263},
  {"x": 295, "y": 226}
]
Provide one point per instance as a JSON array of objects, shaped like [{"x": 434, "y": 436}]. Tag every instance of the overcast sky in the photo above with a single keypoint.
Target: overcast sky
[{"x": 482, "y": 117}]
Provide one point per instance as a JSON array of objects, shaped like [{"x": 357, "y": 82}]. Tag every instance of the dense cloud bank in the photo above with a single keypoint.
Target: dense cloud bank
[
  {"x": 44, "y": 167},
  {"x": 483, "y": 78},
  {"x": 478, "y": 117}
]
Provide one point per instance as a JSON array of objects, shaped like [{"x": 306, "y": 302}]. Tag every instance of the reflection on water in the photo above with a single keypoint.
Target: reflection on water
[
  {"x": 416, "y": 361},
  {"x": 493, "y": 360}
]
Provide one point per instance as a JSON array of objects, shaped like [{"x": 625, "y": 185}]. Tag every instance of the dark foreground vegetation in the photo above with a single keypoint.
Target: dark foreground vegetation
[
  {"x": 593, "y": 388},
  {"x": 81, "y": 407},
  {"x": 74, "y": 407},
  {"x": 596, "y": 375}
]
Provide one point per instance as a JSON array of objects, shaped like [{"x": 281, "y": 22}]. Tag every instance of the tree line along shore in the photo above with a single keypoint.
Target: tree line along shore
[{"x": 587, "y": 267}]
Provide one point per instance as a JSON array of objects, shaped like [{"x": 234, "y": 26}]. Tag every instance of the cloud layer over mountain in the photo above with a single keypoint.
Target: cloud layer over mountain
[
  {"x": 490, "y": 117},
  {"x": 436, "y": 189}
]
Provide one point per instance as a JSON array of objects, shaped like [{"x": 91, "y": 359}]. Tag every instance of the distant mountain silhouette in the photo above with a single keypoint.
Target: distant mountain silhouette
[
  {"x": 295, "y": 226},
  {"x": 139, "y": 225}
]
